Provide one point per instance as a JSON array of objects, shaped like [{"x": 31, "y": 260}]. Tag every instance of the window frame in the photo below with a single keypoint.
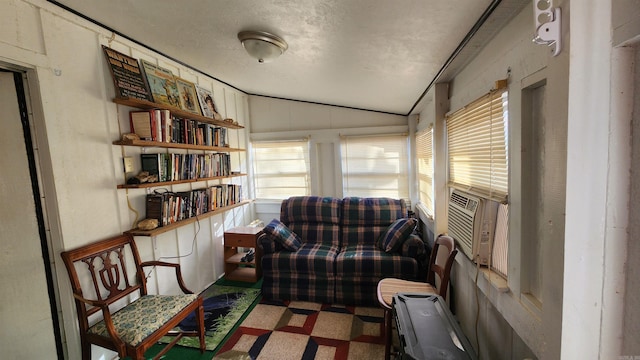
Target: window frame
[
  {"x": 426, "y": 196},
  {"x": 402, "y": 170},
  {"x": 303, "y": 143}
]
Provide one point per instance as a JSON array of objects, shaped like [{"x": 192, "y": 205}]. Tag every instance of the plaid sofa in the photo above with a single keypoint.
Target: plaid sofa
[{"x": 340, "y": 260}]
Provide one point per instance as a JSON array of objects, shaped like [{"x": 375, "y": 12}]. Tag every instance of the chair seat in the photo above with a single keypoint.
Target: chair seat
[
  {"x": 390, "y": 286},
  {"x": 144, "y": 316}
]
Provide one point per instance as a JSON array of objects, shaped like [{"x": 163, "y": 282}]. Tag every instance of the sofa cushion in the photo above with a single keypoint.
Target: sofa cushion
[
  {"x": 364, "y": 219},
  {"x": 280, "y": 233},
  {"x": 396, "y": 234},
  {"x": 313, "y": 259},
  {"x": 315, "y": 219},
  {"x": 360, "y": 267}
]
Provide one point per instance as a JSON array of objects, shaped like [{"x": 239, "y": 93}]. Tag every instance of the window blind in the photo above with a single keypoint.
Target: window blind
[
  {"x": 477, "y": 147},
  {"x": 375, "y": 166},
  {"x": 281, "y": 169},
  {"x": 424, "y": 155}
]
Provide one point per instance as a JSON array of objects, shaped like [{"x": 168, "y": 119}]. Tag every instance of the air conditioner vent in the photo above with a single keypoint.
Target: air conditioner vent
[
  {"x": 472, "y": 224},
  {"x": 459, "y": 199}
]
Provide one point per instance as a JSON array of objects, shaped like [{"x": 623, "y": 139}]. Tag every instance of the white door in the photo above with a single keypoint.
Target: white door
[{"x": 26, "y": 325}]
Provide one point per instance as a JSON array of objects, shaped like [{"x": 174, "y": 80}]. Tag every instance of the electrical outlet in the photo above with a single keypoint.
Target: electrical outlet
[{"x": 128, "y": 164}]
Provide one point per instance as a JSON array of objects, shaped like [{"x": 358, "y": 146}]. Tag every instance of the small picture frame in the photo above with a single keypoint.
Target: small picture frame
[
  {"x": 188, "y": 97},
  {"x": 161, "y": 83},
  {"x": 207, "y": 105}
]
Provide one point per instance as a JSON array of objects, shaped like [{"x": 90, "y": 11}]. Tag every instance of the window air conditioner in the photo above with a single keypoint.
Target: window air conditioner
[{"x": 472, "y": 222}]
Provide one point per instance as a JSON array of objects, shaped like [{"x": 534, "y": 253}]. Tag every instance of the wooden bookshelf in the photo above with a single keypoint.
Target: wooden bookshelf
[
  {"x": 175, "y": 225},
  {"x": 165, "y": 183},
  {"x": 148, "y": 105},
  {"x": 172, "y": 145}
]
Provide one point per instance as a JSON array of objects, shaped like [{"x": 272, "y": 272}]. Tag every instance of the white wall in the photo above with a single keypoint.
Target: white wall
[
  {"x": 76, "y": 122},
  {"x": 509, "y": 327},
  {"x": 588, "y": 306}
]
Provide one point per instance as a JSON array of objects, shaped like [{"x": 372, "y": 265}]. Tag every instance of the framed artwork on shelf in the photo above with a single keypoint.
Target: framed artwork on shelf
[
  {"x": 188, "y": 97},
  {"x": 162, "y": 84},
  {"x": 127, "y": 75},
  {"x": 207, "y": 105}
]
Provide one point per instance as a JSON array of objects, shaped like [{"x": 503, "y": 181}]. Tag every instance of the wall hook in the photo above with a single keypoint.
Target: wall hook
[{"x": 548, "y": 25}]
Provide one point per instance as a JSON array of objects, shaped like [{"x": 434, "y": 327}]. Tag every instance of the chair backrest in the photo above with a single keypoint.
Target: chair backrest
[
  {"x": 437, "y": 268},
  {"x": 102, "y": 268}
]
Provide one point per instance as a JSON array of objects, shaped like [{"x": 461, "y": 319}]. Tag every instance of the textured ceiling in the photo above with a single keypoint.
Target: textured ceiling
[{"x": 377, "y": 55}]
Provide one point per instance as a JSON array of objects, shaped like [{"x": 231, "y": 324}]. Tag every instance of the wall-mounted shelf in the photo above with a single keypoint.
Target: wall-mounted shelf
[
  {"x": 175, "y": 225},
  {"x": 165, "y": 183},
  {"x": 148, "y": 105},
  {"x": 171, "y": 145}
]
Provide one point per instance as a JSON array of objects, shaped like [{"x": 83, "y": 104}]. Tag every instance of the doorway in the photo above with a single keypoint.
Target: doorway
[{"x": 31, "y": 326}]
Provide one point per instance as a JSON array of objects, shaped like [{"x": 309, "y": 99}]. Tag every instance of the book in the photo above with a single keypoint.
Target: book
[
  {"x": 127, "y": 76},
  {"x": 166, "y": 122},
  {"x": 140, "y": 124},
  {"x": 188, "y": 97},
  {"x": 162, "y": 84}
]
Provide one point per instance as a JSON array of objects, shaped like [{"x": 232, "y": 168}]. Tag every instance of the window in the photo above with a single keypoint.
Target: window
[
  {"x": 477, "y": 147},
  {"x": 424, "y": 155},
  {"x": 375, "y": 166},
  {"x": 281, "y": 169},
  {"x": 478, "y": 162}
]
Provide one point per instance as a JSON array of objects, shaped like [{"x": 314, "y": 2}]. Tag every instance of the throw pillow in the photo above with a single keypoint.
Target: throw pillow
[
  {"x": 399, "y": 231},
  {"x": 283, "y": 235}
]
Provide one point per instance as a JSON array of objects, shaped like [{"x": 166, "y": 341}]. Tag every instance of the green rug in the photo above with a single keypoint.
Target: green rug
[{"x": 225, "y": 304}]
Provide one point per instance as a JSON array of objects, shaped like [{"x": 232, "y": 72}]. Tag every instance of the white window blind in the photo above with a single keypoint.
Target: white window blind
[
  {"x": 477, "y": 147},
  {"x": 500, "y": 251},
  {"x": 281, "y": 169},
  {"x": 375, "y": 166},
  {"x": 424, "y": 155}
]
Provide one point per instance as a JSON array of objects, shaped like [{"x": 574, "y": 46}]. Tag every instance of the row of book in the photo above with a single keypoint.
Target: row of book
[
  {"x": 171, "y": 207},
  {"x": 159, "y": 125},
  {"x": 174, "y": 167}
]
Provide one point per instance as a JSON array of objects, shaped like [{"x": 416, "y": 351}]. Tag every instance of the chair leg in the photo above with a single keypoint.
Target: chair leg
[
  {"x": 201, "y": 330},
  {"x": 86, "y": 349},
  {"x": 388, "y": 334}
]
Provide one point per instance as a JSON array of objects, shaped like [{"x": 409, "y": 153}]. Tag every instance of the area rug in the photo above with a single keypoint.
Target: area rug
[
  {"x": 303, "y": 330},
  {"x": 224, "y": 306}
]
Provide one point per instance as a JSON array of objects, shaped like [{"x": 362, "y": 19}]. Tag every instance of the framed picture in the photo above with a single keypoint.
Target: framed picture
[
  {"x": 188, "y": 97},
  {"x": 208, "y": 106},
  {"x": 162, "y": 84},
  {"x": 127, "y": 75}
]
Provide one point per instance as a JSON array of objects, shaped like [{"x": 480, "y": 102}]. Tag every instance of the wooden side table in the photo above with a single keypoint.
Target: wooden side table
[{"x": 234, "y": 268}]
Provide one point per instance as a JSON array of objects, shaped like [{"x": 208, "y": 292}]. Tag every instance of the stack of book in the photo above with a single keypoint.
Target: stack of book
[
  {"x": 174, "y": 167},
  {"x": 158, "y": 125},
  {"x": 171, "y": 207}
]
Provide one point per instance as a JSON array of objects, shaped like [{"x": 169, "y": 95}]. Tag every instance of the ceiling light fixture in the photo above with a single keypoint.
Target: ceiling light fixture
[{"x": 262, "y": 45}]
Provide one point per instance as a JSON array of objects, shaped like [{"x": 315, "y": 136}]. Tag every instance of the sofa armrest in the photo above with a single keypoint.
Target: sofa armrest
[
  {"x": 268, "y": 244},
  {"x": 414, "y": 247}
]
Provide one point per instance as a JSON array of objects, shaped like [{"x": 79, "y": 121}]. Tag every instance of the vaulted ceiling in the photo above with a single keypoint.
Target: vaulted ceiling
[{"x": 378, "y": 55}]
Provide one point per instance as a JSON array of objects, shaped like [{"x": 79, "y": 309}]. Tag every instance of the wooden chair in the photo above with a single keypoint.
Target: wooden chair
[
  {"x": 391, "y": 286},
  {"x": 101, "y": 268}
]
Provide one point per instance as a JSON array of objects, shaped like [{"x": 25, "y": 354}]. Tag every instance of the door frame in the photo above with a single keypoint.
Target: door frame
[{"x": 29, "y": 104}]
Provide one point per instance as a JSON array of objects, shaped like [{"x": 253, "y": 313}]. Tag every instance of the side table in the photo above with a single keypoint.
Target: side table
[{"x": 234, "y": 267}]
